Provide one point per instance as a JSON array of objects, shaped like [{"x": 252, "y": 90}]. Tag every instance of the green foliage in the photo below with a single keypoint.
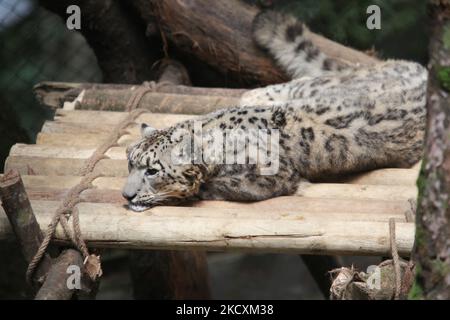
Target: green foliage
[
  {"x": 403, "y": 33},
  {"x": 416, "y": 292},
  {"x": 443, "y": 76}
]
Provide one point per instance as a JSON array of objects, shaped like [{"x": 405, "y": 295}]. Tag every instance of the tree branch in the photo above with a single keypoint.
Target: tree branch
[{"x": 220, "y": 35}]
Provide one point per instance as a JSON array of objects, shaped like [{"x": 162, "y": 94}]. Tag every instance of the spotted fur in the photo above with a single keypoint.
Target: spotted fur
[
  {"x": 333, "y": 122},
  {"x": 289, "y": 42}
]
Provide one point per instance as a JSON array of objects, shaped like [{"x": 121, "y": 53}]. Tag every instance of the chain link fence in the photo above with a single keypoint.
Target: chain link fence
[{"x": 35, "y": 46}]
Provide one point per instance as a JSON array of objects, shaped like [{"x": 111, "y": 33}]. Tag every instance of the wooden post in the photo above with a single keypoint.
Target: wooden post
[
  {"x": 55, "y": 286},
  {"x": 18, "y": 209},
  {"x": 50, "y": 276}
]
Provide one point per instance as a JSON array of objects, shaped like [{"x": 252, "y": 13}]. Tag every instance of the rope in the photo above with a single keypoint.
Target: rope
[
  {"x": 395, "y": 258},
  {"x": 67, "y": 208},
  {"x": 71, "y": 199},
  {"x": 141, "y": 91},
  {"x": 402, "y": 285}
]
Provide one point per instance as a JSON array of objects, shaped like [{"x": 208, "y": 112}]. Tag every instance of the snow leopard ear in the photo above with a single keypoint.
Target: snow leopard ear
[{"x": 146, "y": 130}]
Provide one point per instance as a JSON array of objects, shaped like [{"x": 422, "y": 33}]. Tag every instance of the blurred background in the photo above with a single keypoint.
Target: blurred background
[{"x": 36, "y": 46}]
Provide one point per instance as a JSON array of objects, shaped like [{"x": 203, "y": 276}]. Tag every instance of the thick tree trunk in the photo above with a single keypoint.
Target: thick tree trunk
[
  {"x": 432, "y": 252},
  {"x": 123, "y": 52}
]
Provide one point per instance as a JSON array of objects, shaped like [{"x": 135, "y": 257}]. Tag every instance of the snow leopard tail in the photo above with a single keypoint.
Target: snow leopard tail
[{"x": 288, "y": 41}]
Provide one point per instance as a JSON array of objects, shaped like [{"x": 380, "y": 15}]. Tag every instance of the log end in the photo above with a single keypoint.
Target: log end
[{"x": 10, "y": 178}]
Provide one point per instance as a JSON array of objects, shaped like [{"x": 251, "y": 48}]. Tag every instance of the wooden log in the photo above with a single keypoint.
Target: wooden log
[
  {"x": 356, "y": 191},
  {"x": 227, "y": 45},
  {"x": 114, "y": 226},
  {"x": 118, "y": 168},
  {"x": 157, "y": 102},
  {"x": 55, "y": 286},
  {"x": 388, "y": 176},
  {"x": 114, "y": 97},
  {"x": 116, "y": 183},
  {"x": 48, "y": 188},
  {"x": 49, "y": 152},
  {"x": 88, "y": 140},
  {"x": 406, "y": 177},
  {"x": 108, "y": 118},
  {"x": 108, "y": 190},
  {"x": 23, "y": 222},
  {"x": 61, "y": 167},
  {"x": 86, "y": 122},
  {"x": 285, "y": 209}
]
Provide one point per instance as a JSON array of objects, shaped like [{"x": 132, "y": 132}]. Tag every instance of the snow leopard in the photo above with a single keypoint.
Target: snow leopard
[{"x": 330, "y": 119}]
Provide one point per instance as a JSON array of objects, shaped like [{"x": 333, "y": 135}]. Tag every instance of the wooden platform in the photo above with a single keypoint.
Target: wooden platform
[{"x": 350, "y": 217}]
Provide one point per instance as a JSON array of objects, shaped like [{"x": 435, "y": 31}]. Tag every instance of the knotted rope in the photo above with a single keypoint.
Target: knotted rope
[
  {"x": 395, "y": 259},
  {"x": 67, "y": 207},
  {"x": 61, "y": 215},
  {"x": 403, "y": 273}
]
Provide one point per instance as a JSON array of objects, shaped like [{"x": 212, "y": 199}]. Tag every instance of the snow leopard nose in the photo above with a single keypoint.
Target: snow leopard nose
[
  {"x": 131, "y": 187},
  {"x": 128, "y": 196}
]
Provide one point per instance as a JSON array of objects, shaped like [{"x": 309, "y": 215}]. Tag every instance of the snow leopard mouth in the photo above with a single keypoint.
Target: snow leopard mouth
[{"x": 138, "y": 207}]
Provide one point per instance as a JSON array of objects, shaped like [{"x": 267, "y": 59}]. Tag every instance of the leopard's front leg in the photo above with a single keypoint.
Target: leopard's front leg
[{"x": 248, "y": 186}]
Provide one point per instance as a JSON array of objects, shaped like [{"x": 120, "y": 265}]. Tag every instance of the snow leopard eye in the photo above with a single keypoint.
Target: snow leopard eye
[{"x": 151, "y": 172}]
